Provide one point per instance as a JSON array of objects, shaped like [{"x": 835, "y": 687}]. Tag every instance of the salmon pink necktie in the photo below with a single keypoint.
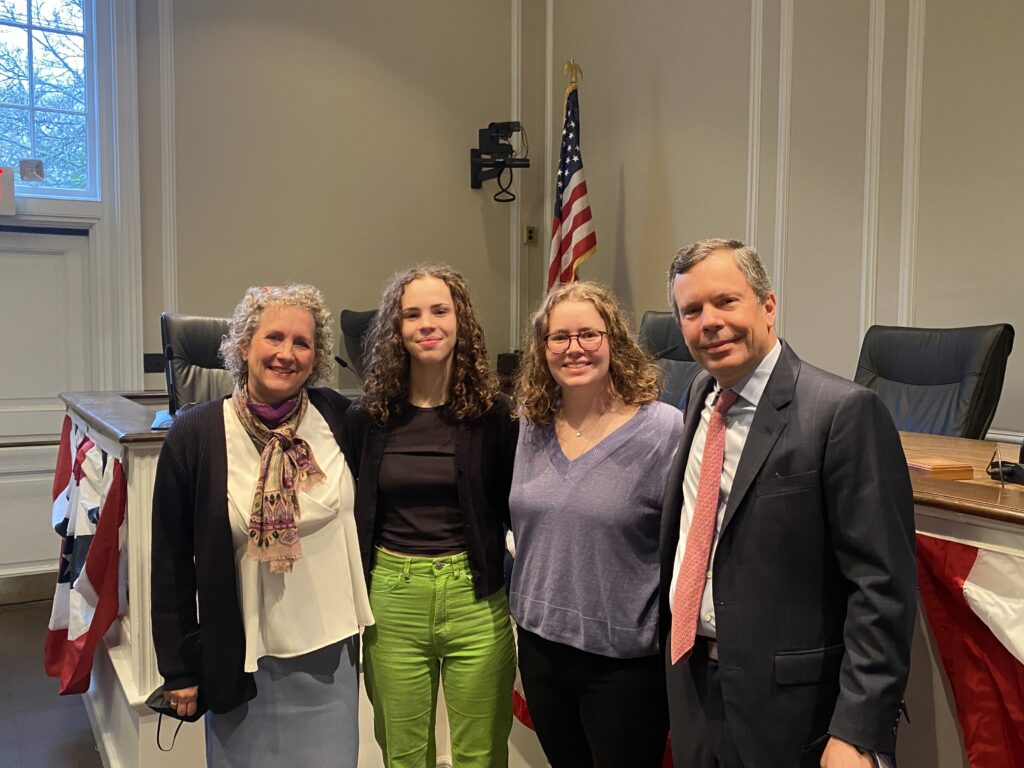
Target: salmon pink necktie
[{"x": 693, "y": 572}]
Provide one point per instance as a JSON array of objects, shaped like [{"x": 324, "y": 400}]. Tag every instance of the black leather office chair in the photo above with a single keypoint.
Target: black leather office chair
[
  {"x": 942, "y": 381},
  {"x": 354, "y": 326},
  {"x": 195, "y": 372},
  {"x": 659, "y": 333}
]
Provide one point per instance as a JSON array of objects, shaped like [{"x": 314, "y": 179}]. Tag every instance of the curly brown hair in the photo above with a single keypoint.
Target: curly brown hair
[
  {"x": 472, "y": 387},
  {"x": 633, "y": 376}
]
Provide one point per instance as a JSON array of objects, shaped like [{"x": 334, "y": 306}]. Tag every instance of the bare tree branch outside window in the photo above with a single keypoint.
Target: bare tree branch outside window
[{"x": 45, "y": 99}]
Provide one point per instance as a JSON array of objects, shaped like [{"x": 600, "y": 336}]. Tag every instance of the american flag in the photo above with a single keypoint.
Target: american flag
[{"x": 572, "y": 232}]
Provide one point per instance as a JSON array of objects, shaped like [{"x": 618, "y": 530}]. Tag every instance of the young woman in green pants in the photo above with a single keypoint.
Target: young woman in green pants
[{"x": 432, "y": 445}]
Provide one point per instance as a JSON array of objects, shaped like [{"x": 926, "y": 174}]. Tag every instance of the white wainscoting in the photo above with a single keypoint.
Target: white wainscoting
[
  {"x": 26, "y": 477},
  {"x": 45, "y": 311}
]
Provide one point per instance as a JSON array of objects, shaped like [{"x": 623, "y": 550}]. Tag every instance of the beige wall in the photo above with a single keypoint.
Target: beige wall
[
  {"x": 328, "y": 142},
  {"x": 972, "y": 179},
  {"x": 666, "y": 106}
]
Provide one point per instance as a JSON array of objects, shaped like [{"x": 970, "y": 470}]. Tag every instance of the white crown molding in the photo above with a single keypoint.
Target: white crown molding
[
  {"x": 782, "y": 155},
  {"x": 169, "y": 213},
  {"x": 911, "y": 160},
  {"x": 515, "y": 245},
  {"x": 549, "y": 133},
  {"x": 754, "y": 119},
  {"x": 872, "y": 164}
]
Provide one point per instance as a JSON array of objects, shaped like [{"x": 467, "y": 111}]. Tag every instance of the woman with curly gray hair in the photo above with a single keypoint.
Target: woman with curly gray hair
[
  {"x": 253, "y": 522},
  {"x": 432, "y": 445}
]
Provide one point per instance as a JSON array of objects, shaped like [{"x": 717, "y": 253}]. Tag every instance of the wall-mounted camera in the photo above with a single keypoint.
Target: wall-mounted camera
[{"x": 494, "y": 156}]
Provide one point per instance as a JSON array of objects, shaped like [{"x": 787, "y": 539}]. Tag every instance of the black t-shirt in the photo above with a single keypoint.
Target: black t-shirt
[{"x": 418, "y": 497}]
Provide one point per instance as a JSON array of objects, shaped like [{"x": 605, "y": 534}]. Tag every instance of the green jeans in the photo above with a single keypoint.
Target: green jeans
[{"x": 429, "y": 625}]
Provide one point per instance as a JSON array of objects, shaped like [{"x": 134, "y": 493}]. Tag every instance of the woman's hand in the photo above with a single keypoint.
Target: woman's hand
[{"x": 183, "y": 700}]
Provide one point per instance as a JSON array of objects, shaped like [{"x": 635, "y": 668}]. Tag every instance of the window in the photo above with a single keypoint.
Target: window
[{"x": 47, "y": 96}]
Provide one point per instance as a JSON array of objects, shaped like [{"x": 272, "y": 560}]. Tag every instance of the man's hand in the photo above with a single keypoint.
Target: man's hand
[
  {"x": 839, "y": 754},
  {"x": 183, "y": 701}
]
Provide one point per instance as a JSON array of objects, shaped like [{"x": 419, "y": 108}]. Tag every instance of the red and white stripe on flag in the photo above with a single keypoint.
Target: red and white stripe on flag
[
  {"x": 573, "y": 240},
  {"x": 974, "y": 600},
  {"x": 89, "y": 512}
]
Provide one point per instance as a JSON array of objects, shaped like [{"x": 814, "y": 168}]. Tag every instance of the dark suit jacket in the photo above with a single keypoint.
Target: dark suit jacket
[{"x": 814, "y": 575}]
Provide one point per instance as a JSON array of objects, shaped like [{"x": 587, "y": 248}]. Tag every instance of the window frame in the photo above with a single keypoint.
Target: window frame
[{"x": 94, "y": 189}]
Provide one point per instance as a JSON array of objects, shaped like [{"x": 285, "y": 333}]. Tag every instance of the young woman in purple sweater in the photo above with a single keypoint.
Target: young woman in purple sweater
[{"x": 594, "y": 449}]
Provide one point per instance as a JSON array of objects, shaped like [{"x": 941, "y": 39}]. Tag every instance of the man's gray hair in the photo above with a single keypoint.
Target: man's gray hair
[{"x": 747, "y": 260}]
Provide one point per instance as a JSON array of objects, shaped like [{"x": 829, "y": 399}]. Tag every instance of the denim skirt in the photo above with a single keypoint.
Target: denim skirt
[{"x": 304, "y": 714}]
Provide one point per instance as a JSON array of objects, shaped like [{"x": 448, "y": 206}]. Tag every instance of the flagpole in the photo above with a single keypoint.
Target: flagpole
[{"x": 573, "y": 240}]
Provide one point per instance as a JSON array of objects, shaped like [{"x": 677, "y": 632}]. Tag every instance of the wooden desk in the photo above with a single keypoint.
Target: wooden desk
[
  {"x": 979, "y": 512},
  {"x": 981, "y": 496}
]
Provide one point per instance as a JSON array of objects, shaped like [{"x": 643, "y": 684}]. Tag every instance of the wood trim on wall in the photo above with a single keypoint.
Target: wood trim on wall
[
  {"x": 754, "y": 119},
  {"x": 515, "y": 245},
  {"x": 782, "y": 157},
  {"x": 549, "y": 136},
  {"x": 872, "y": 164},
  {"x": 168, "y": 181},
  {"x": 119, "y": 239},
  {"x": 911, "y": 161}
]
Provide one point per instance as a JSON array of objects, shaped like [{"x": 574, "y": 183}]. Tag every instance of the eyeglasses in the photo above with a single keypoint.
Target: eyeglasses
[{"x": 588, "y": 340}]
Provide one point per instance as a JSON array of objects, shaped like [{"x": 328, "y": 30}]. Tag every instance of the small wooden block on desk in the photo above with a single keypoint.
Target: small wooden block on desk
[{"x": 947, "y": 469}]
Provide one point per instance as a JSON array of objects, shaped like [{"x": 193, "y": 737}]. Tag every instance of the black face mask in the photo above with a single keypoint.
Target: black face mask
[
  {"x": 1007, "y": 471},
  {"x": 158, "y": 703}
]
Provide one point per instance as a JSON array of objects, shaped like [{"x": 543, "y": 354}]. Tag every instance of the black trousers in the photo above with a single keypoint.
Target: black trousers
[
  {"x": 701, "y": 737},
  {"x": 593, "y": 711},
  {"x": 700, "y": 733}
]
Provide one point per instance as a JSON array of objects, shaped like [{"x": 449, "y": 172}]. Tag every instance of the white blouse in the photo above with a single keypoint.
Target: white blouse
[{"x": 323, "y": 600}]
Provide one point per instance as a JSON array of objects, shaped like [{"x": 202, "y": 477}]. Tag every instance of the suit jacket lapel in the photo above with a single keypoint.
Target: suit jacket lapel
[
  {"x": 769, "y": 421},
  {"x": 702, "y": 385}
]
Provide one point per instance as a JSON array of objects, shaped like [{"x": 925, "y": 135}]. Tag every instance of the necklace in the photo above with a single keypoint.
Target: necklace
[{"x": 584, "y": 427}]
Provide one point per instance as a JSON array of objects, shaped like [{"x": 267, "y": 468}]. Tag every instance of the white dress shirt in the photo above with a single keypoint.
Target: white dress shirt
[{"x": 737, "y": 425}]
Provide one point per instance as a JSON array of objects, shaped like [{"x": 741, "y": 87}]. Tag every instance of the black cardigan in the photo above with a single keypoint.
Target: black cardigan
[
  {"x": 484, "y": 455},
  {"x": 193, "y": 554}
]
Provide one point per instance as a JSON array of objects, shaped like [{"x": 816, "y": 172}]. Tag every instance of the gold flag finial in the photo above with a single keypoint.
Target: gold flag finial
[{"x": 573, "y": 71}]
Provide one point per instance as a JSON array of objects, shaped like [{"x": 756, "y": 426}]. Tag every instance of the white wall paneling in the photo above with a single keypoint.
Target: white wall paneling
[
  {"x": 550, "y": 115},
  {"x": 911, "y": 158},
  {"x": 754, "y": 119},
  {"x": 26, "y": 476},
  {"x": 872, "y": 160},
  {"x": 46, "y": 307},
  {"x": 515, "y": 220},
  {"x": 168, "y": 178},
  {"x": 781, "y": 243}
]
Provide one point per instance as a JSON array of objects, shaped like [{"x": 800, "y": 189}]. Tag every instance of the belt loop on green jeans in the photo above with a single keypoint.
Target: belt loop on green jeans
[{"x": 407, "y": 568}]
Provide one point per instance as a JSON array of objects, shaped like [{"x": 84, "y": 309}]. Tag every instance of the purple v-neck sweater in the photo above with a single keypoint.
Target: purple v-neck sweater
[{"x": 586, "y": 566}]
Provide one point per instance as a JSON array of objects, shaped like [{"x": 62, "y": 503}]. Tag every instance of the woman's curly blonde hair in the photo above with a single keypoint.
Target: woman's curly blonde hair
[
  {"x": 472, "y": 386},
  {"x": 246, "y": 319},
  {"x": 632, "y": 375}
]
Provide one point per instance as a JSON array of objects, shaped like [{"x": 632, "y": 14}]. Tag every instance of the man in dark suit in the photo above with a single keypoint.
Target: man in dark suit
[{"x": 787, "y": 546}]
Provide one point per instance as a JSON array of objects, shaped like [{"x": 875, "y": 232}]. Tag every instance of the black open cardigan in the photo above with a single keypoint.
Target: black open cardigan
[
  {"x": 485, "y": 450},
  {"x": 193, "y": 554}
]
